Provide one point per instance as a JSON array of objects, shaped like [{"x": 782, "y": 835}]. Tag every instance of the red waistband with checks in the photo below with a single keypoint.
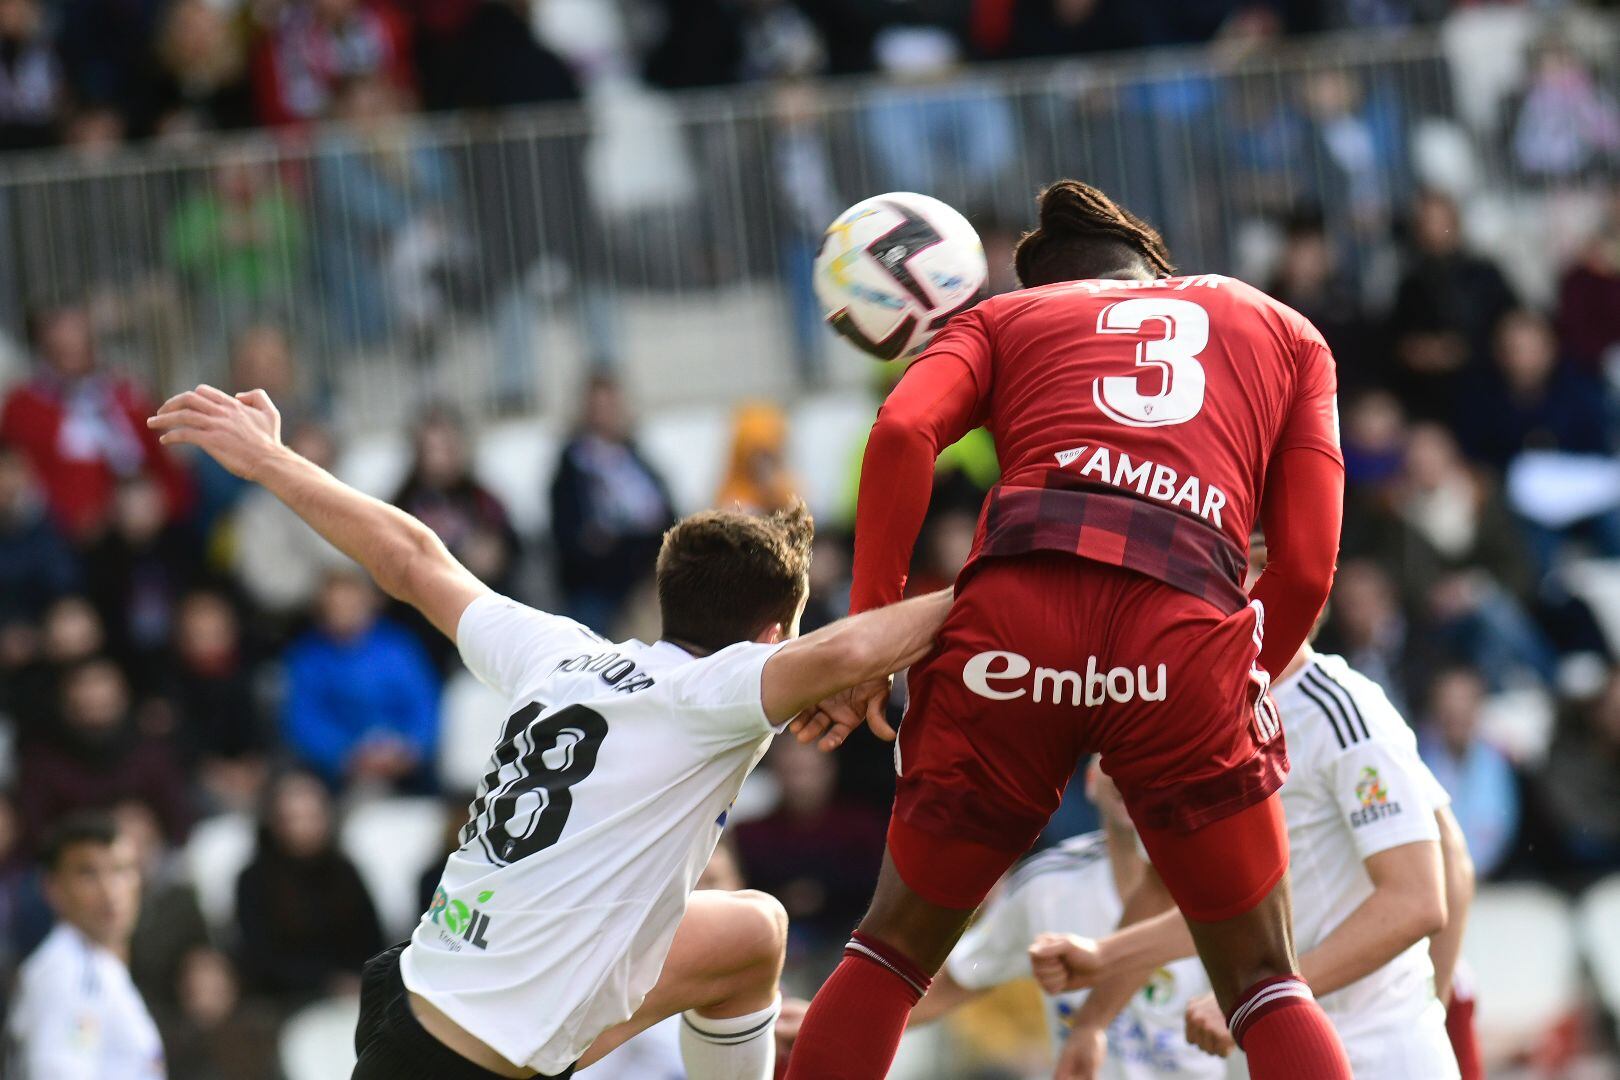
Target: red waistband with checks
[{"x": 1108, "y": 527}]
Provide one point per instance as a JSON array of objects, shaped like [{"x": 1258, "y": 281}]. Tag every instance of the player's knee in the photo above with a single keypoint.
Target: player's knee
[{"x": 761, "y": 925}]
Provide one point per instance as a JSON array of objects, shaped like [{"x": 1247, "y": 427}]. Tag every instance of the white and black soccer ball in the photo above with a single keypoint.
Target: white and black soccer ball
[{"x": 894, "y": 269}]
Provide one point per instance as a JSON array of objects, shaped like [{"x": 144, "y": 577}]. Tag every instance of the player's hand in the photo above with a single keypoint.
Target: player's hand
[
  {"x": 788, "y": 1023},
  {"x": 238, "y": 432},
  {"x": 1063, "y": 962},
  {"x": 1206, "y": 1027},
  {"x": 1084, "y": 1052},
  {"x": 830, "y": 723}
]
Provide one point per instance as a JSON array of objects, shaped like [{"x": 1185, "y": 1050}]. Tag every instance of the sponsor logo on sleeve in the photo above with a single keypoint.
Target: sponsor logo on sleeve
[
  {"x": 460, "y": 923},
  {"x": 1376, "y": 805}
]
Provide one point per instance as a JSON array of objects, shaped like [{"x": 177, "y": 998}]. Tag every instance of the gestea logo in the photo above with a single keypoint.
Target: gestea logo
[{"x": 459, "y": 920}]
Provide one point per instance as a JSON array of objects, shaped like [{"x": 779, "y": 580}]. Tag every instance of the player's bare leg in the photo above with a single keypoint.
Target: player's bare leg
[
  {"x": 722, "y": 974},
  {"x": 855, "y": 1022}
]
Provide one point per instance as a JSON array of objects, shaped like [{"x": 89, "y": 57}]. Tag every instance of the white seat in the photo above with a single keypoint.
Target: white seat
[
  {"x": 689, "y": 448},
  {"x": 218, "y": 849},
  {"x": 391, "y": 842},
  {"x": 317, "y": 1042},
  {"x": 516, "y": 460},
  {"x": 470, "y": 720},
  {"x": 1521, "y": 944},
  {"x": 1598, "y": 919},
  {"x": 377, "y": 464}
]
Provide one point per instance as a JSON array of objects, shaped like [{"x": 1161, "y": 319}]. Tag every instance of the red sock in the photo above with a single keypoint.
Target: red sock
[
  {"x": 1285, "y": 1033},
  {"x": 1464, "y": 1039},
  {"x": 855, "y": 1022}
]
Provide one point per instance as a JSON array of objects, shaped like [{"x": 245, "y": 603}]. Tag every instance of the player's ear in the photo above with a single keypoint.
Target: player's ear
[{"x": 772, "y": 634}]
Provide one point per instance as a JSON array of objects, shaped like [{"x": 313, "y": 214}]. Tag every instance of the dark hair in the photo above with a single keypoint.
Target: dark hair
[
  {"x": 1085, "y": 234},
  {"x": 723, "y": 576},
  {"x": 80, "y": 827}
]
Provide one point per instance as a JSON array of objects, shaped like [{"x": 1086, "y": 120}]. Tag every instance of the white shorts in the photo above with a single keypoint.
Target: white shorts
[{"x": 1415, "y": 1048}]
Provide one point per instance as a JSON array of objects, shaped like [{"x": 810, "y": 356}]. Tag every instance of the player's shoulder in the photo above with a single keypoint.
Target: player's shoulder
[
  {"x": 1336, "y": 708},
  {"x": 1077, "y": 857},
  {"x": 61, "y": 966}
]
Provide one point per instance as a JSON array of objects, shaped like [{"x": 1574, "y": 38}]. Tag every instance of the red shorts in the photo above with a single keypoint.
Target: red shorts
[{"x": 1047, "y": 658}]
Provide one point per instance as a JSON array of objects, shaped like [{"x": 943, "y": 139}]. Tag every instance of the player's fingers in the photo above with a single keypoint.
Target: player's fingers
[
  {"x": 187, "y": 399},
  {"x": 877, "y": 717},
  {"x": 812, "y": 724},
  {"x": 179, "y": 418},
  {"x": 258, "y": 399},
  {"x": 181, "y": 435},
  {"x": 213, "y": 394}
]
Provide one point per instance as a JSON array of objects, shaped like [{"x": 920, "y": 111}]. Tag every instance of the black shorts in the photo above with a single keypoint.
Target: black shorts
[{"x": 393, "y": 1045}]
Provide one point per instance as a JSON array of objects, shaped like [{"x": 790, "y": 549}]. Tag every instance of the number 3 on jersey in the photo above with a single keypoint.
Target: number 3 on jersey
[{"x": 1181, "y": 383}]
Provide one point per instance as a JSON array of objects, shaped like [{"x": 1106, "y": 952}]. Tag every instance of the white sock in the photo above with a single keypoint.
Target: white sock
[{"x": 735, "y": 1048}]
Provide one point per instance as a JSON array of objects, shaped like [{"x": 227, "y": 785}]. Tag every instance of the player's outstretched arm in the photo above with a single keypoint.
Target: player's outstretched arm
[
  {"x": 859, "y": 651},
  {"x": 402, "y": 555}
]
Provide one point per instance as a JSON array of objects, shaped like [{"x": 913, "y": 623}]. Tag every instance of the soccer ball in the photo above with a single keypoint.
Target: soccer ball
[{"x": 894, "y": 268}]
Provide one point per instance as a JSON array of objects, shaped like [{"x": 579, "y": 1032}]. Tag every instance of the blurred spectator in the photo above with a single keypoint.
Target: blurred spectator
[
  {"x": 219, "y": 727},
  {"x": 279, "y": 561},
  {"x": 98, "y": 760},
  {"x": 1365, "y": 626},
  {"x": 830, "y": 568},
  {"x": 69, "y": 633},
  {"x": 713, "y": 42},
  {"x": 135, "y": 573},
  {"x": 1446, "y": 309},
  {"x": 77, "y": 1012},
  {"x": 758, "y": 479},
  {"x": 239, "y": 242},
  {"x": 171, "y": 921},
  {"x": 1580, "y": 781},
  {"x": 1354, "y": 147},
  {"x": 362, "y": 701},
  {"x": 930, "y": 130},
  {"x": 1483, "y": 785},
  {"x": 197, "y": 80},
  {"x": 807, "y": 195},
  {"x": 391, "y": 255},
  {"x": 32, "y": 93},
  {"x": 36, "y": 565},
  {"x": 1564, "y": 124},
  {"x": 1589, "y": 297},
  {"x": 210, "y": 1033},
  {"x": 1530, "y": 401},
  {"x": 1309, "y": 279},
  {"x": 1458, "y": 556},
  {"x": 314, "y": 47},
  {"x": 105, "y": 50},
  {"x": 443, "y": 494},
  {"x": 1061, "y": 28},
  {"x": 83, "y": 430},
  {"x": 306, "y": 921},
  {"x": 818, "y": 852},
  {"x": 483, "y": 54},
  {"x": 609, "y": 510},
  {"x": 1374, "y": 442}
]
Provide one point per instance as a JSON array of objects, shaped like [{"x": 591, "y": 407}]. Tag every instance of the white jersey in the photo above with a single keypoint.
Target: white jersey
[
  {"x": 77, "y": 1016},
  {"x": 600, "y": 807},
  {"x": 1357, "y": 787},
  {"x": 1070, "y": 889}
]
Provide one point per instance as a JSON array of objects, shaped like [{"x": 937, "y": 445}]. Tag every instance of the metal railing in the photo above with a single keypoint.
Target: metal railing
[{"x": 492, "y": 260}]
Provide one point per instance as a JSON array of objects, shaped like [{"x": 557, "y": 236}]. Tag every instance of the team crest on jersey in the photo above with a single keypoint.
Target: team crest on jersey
[{"x": 1376, "y": 805}]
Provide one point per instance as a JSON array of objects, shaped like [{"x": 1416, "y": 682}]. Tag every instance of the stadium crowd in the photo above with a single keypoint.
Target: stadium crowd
[{"x": 176, "y": 645}]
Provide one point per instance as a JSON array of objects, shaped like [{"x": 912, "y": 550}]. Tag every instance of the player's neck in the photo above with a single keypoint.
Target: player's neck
[{"x": 697, "y": 651}]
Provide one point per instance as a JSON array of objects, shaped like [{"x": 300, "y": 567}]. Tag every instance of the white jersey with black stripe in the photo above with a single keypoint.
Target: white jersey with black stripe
[
  {"x": 603, "y": 799},
  {"x": 1357, "y": 787},
  {"x": 1070, "y": 889}
]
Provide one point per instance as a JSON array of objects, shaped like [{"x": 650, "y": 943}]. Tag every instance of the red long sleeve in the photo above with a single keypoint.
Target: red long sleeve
[
  {"x": 1302, "y": 512},
  {"x": 933, "y": 405}
]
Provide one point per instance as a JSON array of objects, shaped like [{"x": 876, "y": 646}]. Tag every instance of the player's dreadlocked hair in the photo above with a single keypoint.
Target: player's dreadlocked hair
[{"x": 1085, "y": 234}]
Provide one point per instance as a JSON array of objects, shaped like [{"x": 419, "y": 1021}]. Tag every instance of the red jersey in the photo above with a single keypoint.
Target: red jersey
[{"x": 1176, "y": 393}]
